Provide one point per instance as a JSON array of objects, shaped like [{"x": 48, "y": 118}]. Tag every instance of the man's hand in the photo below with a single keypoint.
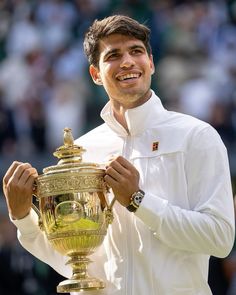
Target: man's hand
[
  {"x": 123, "y": 178},
  {"x": 18, "y": 188}
]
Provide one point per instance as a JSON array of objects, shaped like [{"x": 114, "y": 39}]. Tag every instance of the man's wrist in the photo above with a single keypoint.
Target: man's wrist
[{"x": 19, "y": 217}]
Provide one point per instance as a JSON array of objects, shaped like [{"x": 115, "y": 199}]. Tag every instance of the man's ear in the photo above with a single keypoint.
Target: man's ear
[
  {"x": 94, "y": 72},
  {"x": 152, "y": 65}
]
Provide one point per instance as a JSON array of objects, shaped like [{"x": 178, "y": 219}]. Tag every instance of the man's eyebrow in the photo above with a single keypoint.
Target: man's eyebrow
[
  {"x": 110, "y": 51},
  {"x": 136, "y": 46},
  {"x": 115, "y": 50}
]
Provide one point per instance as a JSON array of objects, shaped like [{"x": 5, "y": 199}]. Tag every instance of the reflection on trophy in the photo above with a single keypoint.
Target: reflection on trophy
[{"x": 74, "y": 211}]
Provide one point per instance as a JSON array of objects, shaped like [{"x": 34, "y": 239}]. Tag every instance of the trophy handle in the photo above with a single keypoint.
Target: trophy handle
[
  {"x": 35, "y": 208},
  {"x": 112, "y": 203},
  {"x": 109, "y": 214}
]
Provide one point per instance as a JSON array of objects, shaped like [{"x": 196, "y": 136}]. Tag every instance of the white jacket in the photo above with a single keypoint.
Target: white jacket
[{"x": 187, "y": 213}]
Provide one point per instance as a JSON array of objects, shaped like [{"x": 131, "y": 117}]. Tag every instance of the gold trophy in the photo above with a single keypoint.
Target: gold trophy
[{"x": 74, "y": 211}]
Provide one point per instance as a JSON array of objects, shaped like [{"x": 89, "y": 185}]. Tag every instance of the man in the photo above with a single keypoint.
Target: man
[{"x": 169, "y": 173}]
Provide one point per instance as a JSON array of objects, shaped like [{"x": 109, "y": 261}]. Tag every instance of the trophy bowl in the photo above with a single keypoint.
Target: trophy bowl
[{"x": 74, "y": 212}]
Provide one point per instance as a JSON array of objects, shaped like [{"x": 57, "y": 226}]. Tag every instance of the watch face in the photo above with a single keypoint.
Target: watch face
[{"x": 138, "y": 198}]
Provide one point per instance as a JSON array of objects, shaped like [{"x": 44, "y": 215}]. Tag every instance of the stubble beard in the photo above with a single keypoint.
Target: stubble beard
[{"x": 135, "y": 98}]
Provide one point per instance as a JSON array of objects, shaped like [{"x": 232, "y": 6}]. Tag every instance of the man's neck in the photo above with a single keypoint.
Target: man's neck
[{"x": 119, "y": 114}]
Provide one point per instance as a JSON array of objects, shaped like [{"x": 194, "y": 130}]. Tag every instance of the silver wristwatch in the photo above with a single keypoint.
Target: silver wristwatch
[{"x": 135, "y": 200}]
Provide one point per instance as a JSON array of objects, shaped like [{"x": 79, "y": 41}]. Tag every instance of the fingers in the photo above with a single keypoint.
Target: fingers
[
  {"x": 125, "y": 163},
  {"x": 116, "y": 171},
  {"x": 27, "y": 176},
  {"x": 122, "y": 161},
  {"x": 112, "y": 182},
  {"x": 10, "y": 171},
  {"x": 120, "y": 168},
  {"x": 23, "y": 173},
  {"x": 20, "y": 174},
  {"x": 123, "y": 178},
  {"x": 18, "y": 188}
]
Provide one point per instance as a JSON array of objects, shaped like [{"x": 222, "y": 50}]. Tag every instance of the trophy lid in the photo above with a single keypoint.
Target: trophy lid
[
  {"x": 71, "y": 174},
  {"x": 70, "y": 157}
]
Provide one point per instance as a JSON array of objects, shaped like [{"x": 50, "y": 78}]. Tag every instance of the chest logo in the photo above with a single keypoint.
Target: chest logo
[{"x": 155, "y": 146}]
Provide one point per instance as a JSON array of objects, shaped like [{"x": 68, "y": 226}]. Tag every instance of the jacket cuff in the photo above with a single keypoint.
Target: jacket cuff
[
  {"x": 28, "y": 224},
  {"x": 151, "y": 211}
]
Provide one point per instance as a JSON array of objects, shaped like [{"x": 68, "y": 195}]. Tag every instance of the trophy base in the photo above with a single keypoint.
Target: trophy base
[{"x": 77, "y": 285}]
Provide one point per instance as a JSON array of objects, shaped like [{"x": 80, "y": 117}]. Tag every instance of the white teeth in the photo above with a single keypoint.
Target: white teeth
[{"x": 128, "y": 76}]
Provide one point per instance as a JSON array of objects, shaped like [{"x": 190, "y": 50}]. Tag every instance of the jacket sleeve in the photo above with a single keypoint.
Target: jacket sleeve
[{"x": 207, "y": 227}]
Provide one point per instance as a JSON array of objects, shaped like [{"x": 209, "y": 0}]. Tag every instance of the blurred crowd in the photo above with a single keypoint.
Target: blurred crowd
[{"x": 45, "y": 86}]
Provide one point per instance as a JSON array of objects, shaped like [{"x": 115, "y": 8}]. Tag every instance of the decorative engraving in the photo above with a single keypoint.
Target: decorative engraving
[{"x": 67, "y": 183}]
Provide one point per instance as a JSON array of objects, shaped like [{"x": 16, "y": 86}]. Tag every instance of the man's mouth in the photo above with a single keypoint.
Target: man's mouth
[{"x": 128, "y": 77}]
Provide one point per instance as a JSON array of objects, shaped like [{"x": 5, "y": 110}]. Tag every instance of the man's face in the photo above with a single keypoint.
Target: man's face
[{"x": 125, "y": 70}]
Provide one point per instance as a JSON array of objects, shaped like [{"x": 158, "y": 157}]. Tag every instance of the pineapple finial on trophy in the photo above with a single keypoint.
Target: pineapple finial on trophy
[
  {"x": 68, "y": 137},
  {"x": 69, "y": 152}
]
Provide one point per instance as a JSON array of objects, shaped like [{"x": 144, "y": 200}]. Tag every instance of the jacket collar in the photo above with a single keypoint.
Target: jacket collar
[{"x": 138, "y": 119}]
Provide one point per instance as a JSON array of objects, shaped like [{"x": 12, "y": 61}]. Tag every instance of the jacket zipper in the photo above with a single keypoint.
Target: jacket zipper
[{"x": 127, "y": 150}]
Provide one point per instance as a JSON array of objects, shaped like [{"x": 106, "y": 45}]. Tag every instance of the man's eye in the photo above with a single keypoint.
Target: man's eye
[
  {"x": 113, "y": 56},
  {"x": 136, "y": 51}
]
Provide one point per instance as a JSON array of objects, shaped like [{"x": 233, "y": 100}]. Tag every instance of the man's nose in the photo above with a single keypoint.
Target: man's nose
[{"x": 127, "y": 61}]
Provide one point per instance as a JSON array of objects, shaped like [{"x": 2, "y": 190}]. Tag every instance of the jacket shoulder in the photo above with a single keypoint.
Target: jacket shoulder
[
  {"x": 100, "y": 143},
  {"x": 98, "y": 132}
]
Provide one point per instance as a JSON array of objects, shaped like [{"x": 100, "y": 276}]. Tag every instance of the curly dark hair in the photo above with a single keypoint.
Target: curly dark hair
[{"x": 116, "y": 24}]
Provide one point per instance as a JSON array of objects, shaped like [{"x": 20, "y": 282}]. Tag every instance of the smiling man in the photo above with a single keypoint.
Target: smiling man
[
  {"x": 124, "y": 69},
  {"x": 170, "y": 177}
]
